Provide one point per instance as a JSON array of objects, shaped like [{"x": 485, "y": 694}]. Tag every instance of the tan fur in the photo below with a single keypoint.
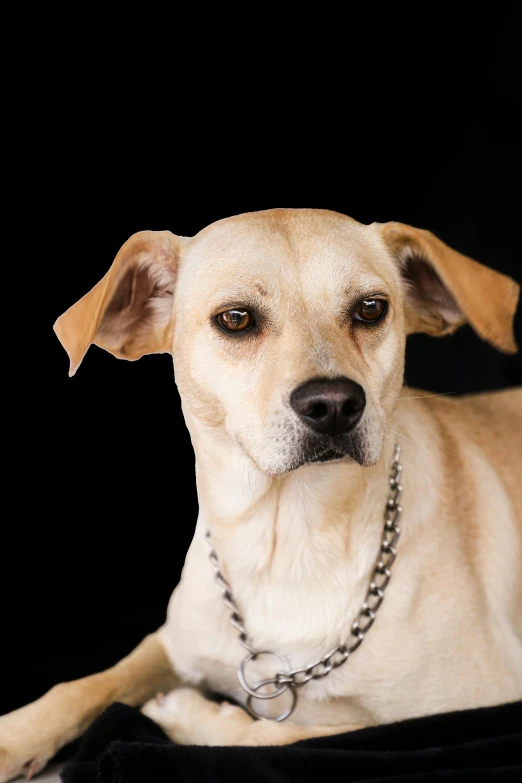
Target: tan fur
[{"x": 298, "y": 540}]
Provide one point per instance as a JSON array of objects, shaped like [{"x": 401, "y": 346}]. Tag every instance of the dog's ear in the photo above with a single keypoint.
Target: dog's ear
[
  {"x": 129, "y": 312},
  {"x": 444, "y": 288}
]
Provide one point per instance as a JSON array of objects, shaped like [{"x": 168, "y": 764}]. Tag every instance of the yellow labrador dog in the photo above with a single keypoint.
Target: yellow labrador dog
[{"x": 288, "y": 330}]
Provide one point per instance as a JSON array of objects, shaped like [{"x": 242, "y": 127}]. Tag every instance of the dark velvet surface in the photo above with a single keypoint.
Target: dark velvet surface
[{"x": 123, "y": 746}]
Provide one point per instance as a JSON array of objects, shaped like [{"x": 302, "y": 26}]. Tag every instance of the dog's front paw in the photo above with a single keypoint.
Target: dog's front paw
[
  {"x": 16, "y": 761},
  {"x": 188, "y": 718},
  {"x": 31, "y": 735}
]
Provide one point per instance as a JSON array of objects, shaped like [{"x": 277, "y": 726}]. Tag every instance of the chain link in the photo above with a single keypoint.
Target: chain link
[{"x": 363, "y": 622}]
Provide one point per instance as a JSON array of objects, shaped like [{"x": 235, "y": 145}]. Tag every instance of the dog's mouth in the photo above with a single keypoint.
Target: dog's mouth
[
  {"x": 349, "y": 446},
  {"x": 328, "y": 456}
]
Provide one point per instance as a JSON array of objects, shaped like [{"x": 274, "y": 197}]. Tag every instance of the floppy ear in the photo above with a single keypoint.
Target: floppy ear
[
  {"x": 444, "y": 288},
  {"x": 129, "y": 312}
]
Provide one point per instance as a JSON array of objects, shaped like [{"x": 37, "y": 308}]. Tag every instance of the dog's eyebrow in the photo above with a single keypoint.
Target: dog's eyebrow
[
  {"x": 233, "y": 296},
  {"x": 370, "y": 288}
]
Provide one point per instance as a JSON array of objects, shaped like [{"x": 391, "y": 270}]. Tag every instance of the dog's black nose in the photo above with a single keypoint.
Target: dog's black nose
[{"x": 329, "y": 406}]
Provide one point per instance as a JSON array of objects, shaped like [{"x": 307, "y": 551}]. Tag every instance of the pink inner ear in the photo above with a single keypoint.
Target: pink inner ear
[
  {"x": 142, "y": 300},
  {"x": 427, "y": 290}
]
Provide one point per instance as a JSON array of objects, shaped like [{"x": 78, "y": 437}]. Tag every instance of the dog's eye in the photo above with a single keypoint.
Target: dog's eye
[
  {"x": 235, "y": 320},
  {"x": 371, "y": 310}
]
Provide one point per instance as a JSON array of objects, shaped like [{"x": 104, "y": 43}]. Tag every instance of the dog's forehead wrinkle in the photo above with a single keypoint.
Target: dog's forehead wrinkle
[{"x": 300, "y": 238}]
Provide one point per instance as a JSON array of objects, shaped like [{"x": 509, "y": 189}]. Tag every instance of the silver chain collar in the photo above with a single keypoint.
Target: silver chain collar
[{"x": 284, "y": 680}]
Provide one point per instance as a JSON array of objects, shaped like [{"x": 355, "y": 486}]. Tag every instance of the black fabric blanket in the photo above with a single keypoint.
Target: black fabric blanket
[{"x": 123, "y": 746}]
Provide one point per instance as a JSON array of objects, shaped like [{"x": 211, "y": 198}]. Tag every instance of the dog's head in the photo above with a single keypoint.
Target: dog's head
[{"x": 288, "y": 327}]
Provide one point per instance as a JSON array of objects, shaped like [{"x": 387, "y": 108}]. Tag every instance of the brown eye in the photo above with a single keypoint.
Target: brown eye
[
  {"x": 235, "y": 320},
  {"x": 371, "y": 310}
]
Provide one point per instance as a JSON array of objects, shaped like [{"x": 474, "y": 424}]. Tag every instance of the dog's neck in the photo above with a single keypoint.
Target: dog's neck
[{"x": 252, "y": 517}]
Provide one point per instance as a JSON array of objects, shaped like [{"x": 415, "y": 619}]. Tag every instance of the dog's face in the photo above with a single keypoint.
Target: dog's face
[
  {"x": 289, "y": 334},
  {"x": 288, "y": 327}
]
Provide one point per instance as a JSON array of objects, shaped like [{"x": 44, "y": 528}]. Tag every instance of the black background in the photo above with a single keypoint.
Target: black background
[{"x": 101, "y": 500}]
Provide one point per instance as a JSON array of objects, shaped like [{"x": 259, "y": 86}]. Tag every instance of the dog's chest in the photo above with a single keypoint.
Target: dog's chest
[
  {"x": 416, "y": 639},
  {"x": 297, "y": 616}
]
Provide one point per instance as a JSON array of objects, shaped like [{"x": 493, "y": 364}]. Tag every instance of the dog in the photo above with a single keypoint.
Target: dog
[{"x": 288, "y": 329}]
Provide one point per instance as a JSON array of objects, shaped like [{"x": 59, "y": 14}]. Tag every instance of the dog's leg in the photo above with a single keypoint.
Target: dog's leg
[
  {"x": 30, "y": 736},
  {"x": 188, "y": 718}
]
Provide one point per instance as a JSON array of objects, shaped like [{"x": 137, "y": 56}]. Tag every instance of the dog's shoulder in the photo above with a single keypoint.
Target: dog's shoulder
[
  {"x": 492, "y": 422},
  {"x": 491, "y": 410},
  {"x": 498, "y": 413}
]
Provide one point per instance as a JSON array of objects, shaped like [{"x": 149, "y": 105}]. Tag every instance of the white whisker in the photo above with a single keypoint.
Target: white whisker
[
  {"x": 421, "y": 434},
  {"x": 425, "y": 396},
  {"x": 401, "y": 435}
]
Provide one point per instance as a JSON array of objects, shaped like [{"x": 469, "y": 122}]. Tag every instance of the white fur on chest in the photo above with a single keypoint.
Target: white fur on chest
[{"x": 301, "y": 605}]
